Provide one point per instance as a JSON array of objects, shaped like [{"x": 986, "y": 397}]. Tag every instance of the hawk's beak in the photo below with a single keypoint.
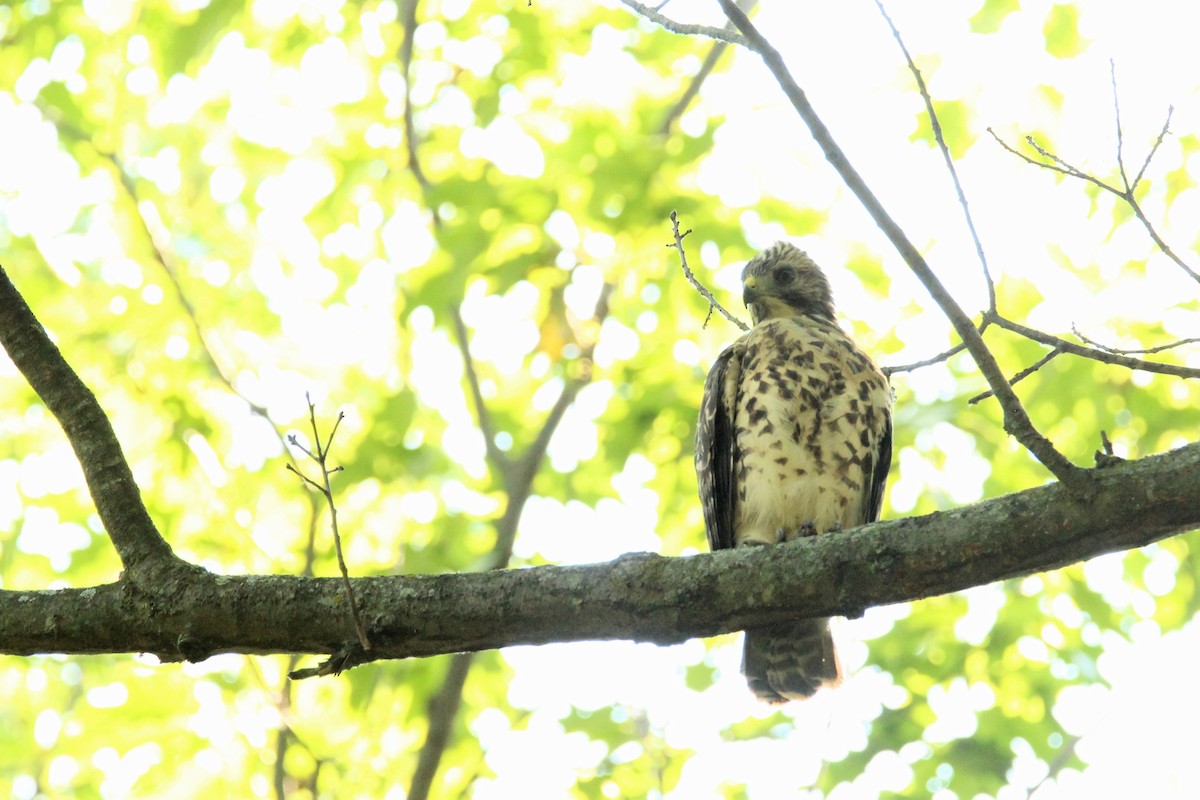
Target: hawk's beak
[
  {"x": 749, "y": 290},
  {"x": 750, "y": 295}
]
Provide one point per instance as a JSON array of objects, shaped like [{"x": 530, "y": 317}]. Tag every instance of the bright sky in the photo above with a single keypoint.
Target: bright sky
[{"x": 844, "y": 56}]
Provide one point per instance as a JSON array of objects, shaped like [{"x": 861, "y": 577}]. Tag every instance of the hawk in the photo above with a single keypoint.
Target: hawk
[{"x": 794, "y": 439}]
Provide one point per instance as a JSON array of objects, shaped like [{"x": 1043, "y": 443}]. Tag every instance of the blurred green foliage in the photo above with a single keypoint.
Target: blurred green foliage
[{"x": 251, "y": 160}]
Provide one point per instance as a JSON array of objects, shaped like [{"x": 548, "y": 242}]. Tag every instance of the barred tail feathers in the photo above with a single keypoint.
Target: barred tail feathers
[{"x": 790, "y": 662}]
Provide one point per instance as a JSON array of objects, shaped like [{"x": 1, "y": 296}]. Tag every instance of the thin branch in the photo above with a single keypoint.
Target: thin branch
[
  {"x": 408, "y": 16},
  {"x": 1162, "y": 134},
  {"x": 158, "y": 249},
  {"x": 687, "y": 273},
  {"x": 720, "y": 34},
  {"x": 1056, "y": 164},
  {"x": 1105, "y": 457},
  {"x": 1095, "y": 355},
  {"x": 1142, "y": 351},
  {"x": 1020, "y": 376},
  {"x": 1016, "y": 420},
  {"x": 496, "y": 457},
  {"x": 642, "y": 596},
  {"x": 940, "y": 357},
  {"x": 134, "y": 535},
  {"x": 693, "y": 88},
  {"x": 1060, "y": 762},
  {"x": 160, "y": 252},
  {"x": 936, "y": 125},
  {"x": 1112, "y": 70},
  {"x": 709, "y": 64}
]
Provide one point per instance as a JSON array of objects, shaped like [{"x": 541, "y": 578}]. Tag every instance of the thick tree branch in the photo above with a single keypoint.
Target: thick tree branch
[
  {"x": 640, "y": 596},
  {"x": 1016, "y": 420},
  {"x": 119, "y": 503}
]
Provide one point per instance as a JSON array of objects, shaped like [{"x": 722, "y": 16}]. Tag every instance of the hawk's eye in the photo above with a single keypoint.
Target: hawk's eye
[{"x": 783, "y": 276}]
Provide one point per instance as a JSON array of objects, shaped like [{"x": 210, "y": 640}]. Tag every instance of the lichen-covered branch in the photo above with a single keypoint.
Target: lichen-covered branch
[{"x": 640, "y": 596}]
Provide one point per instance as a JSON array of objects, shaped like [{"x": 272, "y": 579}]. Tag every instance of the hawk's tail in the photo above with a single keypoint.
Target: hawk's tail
[{"x": 790, "y": 662}]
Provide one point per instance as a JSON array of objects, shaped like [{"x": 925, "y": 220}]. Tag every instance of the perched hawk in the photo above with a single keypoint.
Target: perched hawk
[{"x": 794, "y": 439}]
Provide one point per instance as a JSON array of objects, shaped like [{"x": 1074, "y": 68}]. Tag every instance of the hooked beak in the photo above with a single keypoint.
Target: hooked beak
[
  {"x": 750, "y": 296},
  {"x": 749, "y": 290}
]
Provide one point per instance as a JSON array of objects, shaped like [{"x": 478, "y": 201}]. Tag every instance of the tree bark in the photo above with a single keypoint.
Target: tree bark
[{"x": 639, "y": 596}]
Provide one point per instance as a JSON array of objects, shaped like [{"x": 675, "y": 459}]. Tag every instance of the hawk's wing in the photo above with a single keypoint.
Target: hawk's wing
[
  {"x": 875, "y": 473},
  {"x": 715, "y": 446}
]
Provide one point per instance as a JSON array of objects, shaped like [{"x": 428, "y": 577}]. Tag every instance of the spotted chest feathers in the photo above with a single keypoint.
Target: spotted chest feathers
[{"x": 810, "y": 412}]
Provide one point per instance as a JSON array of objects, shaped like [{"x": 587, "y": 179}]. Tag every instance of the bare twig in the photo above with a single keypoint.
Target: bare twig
[
  {"x": 325, "y": 487},
  {"x": 161, "y": 252},
  {"x": 720, "y": 34},
  {"x": 687, "y": 273},
  {"x": 693, "y": 88},
  {"x": 1094, "y": 354},
  {"x": 1016, "y": 420},
  {"x": 928, "y": 362},
  {"x": 408, "y": 16},
  {"x": 1142, "y": 351},
  {"x": 496, "y": 456},
  {"x": 1020, "y": 376},
  {"x": 1057, "y": 164},
  {"x": 1112, "y": 71},
  {"x": 936, "y": 125},
  {"x": 1105, "y": 457},
  {"x": 1162, "y": 134}
]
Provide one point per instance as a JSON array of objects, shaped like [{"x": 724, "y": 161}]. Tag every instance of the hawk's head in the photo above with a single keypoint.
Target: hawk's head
[{"x": 782, "y": 281}]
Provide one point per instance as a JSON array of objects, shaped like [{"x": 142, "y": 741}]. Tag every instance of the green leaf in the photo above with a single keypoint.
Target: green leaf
[
  {"x": 1061, "y": 31},
  {"x": 991, "y": 16},
  {"x": 190, "y": 40}
]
